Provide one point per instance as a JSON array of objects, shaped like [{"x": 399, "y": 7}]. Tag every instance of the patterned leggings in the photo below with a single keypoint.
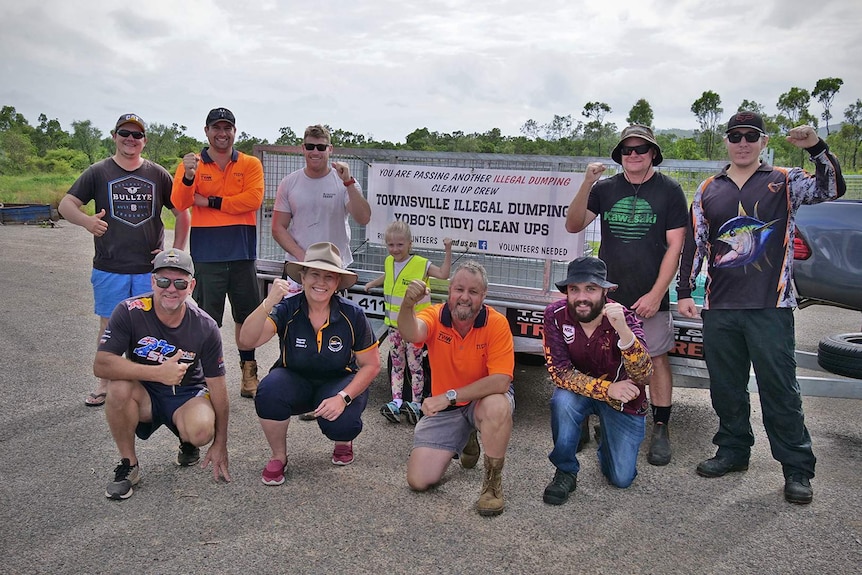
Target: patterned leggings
[{"x": 401, "y": 350}]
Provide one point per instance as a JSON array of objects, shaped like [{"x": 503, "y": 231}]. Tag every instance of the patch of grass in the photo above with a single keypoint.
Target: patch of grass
[
  {"x": 35, "y": 188},
  {"x": 50, "y": 189}
]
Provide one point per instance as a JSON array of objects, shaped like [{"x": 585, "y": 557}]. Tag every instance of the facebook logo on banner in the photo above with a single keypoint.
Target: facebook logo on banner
[{"x": 483, "y": 244}]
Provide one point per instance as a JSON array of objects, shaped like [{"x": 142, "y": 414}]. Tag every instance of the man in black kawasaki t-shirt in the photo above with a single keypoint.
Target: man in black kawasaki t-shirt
[{"x": 643, "y": 218}]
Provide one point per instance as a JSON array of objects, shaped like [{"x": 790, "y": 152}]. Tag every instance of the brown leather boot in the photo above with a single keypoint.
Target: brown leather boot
[
  {"x": 491, "y": 500},
  {"x": 248, "y": 387}
]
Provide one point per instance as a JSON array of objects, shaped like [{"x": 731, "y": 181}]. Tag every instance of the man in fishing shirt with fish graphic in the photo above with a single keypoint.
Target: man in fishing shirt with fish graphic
[{"x": 743, "y": 223}]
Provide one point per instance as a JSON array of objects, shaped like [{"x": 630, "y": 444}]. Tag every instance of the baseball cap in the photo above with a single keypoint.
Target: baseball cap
[
  {"x": 174, "y": 258},
  {"x": 745, "y": 119},
  {"x": 220, "y": 114},
  {"x": 642, "y": 132},
  {"x": 586, "y": 269},
  {"x": 131, "y": 119}
]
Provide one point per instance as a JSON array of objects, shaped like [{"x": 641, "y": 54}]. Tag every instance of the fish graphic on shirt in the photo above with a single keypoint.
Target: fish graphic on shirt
[{"x": 746, "y": 237}]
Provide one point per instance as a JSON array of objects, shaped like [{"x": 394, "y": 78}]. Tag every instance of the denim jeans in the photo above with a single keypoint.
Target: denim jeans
[
  {"x": 733, "y": 341},
  {"x": 622, "y": 435}
]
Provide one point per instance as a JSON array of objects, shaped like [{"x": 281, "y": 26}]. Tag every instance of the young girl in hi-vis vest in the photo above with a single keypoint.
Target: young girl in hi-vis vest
[{"x": 400, "y": 268}]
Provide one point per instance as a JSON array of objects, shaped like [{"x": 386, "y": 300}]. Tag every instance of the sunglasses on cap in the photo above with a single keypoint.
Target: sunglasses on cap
[
  {"x": 320, "y": 147},
  {"x": 641, "y": 150},
  {"x": 127, "y": 133},
  {"x": 750, "y": 137},
  {"x": 165, "y": 283}
]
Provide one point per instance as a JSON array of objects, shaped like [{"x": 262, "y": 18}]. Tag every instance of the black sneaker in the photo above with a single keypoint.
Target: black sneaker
[
  {"x": 188, "y": 454},
  {"x": 797, "y": 489},
  {"x": 126, "y": 475},
  {"x": 558, "y": 490}
]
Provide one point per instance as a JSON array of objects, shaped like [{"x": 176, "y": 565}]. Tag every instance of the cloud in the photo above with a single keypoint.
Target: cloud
[{"x": 387, "y": 68}]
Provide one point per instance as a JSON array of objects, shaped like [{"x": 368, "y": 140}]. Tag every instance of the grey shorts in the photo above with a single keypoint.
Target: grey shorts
[
  {"x": 659, "y": 332},
  {"x": 449, "y": 430}
]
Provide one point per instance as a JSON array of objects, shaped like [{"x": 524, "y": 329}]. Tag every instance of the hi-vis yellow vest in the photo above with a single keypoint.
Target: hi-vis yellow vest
[{"x": 394, "y": 288}]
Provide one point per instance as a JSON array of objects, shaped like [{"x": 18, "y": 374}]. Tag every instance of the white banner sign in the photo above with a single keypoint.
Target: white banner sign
[{"x": 503, "y": 212}]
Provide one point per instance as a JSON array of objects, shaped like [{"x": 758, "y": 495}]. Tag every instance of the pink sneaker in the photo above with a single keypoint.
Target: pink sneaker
[
  {"x": 273, "y": 473},
  {"x": 342, "y": 454}
]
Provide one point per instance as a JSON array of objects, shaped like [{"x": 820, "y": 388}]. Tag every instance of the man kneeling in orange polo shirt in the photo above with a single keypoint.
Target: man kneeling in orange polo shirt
[{"x": 472, "y": 358}]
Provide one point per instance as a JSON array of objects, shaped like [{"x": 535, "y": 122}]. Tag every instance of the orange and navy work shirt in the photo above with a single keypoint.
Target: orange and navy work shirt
[
  {"x": 458, "y": 361},
  {"x": 227, "y": 232}
]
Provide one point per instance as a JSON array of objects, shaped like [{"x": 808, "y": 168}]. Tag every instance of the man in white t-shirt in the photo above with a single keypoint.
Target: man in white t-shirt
[{"x": 312, "y": 204}]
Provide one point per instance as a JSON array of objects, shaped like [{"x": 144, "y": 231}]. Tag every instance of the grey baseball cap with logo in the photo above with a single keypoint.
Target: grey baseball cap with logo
[{"x": 174, "y": 258}]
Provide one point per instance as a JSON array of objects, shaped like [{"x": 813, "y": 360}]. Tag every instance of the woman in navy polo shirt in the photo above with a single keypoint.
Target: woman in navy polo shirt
[{"x": 328, "y": 357}]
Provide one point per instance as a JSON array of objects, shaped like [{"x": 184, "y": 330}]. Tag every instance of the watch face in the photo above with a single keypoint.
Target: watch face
[{"x": 451, "y": 395}]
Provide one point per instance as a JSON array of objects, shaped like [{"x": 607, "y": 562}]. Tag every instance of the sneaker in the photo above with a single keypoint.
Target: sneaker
[
  {"x": 273, "y": 473},
  {"x": 412, "y": 411},
  {"x": 470, "y": 455},
  {"x": 126, "y": 475},
  {"x": 391, "y": 411},
  {"x": 188, "y": 454},
  {"x": 342, "y": 454}
]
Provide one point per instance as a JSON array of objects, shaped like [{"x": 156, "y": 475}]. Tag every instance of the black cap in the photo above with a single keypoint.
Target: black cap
[
  {"x": 174, "y": 258},
  {"x": 586, "y": 269},
  {"x": 219, "y": 115},
  {"x": 746, "y": 119}
]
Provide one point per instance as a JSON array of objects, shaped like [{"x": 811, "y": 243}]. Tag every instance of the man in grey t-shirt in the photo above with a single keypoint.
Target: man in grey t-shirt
[{"x": 312, "y": 204}]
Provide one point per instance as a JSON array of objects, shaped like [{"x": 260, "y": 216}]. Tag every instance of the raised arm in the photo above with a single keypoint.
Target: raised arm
[
  {"x": 442, "y": 272},
  {"x": 579, "y": 217}
]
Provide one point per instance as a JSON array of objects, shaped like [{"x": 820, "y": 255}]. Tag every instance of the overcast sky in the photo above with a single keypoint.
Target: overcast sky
[{"x": 385, "y": 68}]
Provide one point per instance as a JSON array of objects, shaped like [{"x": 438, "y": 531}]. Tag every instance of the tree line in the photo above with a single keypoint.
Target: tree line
[{"x": 47, "y": 147}]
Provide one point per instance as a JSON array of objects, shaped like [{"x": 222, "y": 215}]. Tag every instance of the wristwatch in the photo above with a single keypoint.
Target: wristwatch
[
  {"x": 349, "y": 182},
  {"x": 347, "y": 399},
  {"x": 452, "y": 396}
]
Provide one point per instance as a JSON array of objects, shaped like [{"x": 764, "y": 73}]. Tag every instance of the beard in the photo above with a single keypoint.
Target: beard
[
  {"x": 594, "y": 311},
  {"x": 463, "y": 313}
]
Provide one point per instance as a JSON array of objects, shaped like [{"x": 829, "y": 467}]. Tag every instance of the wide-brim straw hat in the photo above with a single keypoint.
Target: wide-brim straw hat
[{"x": 322, "y": 256}]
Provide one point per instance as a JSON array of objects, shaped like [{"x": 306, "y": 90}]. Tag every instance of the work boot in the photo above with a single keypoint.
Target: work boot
[
  {"x": 470, "y": 455},
  {"x": 659, "y": 445},
  {"x": 491, "y": 500},
  {"x": 561, "y": 486},
  {"x": 248, "y": 387},
  {"x": 797, "y": 489}
]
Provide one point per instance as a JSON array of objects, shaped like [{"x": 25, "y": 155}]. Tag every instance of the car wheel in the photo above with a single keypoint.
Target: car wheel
[{"x": 841, "y": 354}]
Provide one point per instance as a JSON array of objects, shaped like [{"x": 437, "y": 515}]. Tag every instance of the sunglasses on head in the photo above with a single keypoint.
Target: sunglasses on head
[
  {"x": 320, "y": 147},
  {"x": 127, "y": 133},
  {"x": 641, "y": 150},
  {"x": 165, "y": 283},
  {"x": 750, "y": 137}
]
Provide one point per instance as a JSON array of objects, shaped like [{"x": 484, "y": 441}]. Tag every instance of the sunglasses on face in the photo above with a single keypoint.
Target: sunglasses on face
[
  {"x": 165, "y": 283},
  {"x": 127, "y": 133},
  {"x": 320, "y": 147},
  {"x": 641, "y": 150},
  {"x": 750, "y": 137}
]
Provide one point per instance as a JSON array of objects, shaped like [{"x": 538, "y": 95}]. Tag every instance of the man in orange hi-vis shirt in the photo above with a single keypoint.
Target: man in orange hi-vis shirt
[{"x": 224, "y": 189}]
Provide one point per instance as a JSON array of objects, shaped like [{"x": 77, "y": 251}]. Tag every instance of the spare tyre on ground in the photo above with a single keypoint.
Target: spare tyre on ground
[{"x": 841, "y": 354}]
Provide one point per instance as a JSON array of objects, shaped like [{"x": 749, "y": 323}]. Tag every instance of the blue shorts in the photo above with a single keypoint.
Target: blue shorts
[
  {"x": 109, "y": 289},
  {"x": 165, "y": 401},
  {"x": 449, "y": 430}
]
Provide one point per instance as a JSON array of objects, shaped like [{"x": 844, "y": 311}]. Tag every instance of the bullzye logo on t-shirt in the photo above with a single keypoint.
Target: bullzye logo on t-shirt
[{"x": 132, "y": 199}]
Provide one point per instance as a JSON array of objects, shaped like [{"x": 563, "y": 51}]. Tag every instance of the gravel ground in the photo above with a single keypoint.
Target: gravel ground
[{"x": 56, "y": 456}]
